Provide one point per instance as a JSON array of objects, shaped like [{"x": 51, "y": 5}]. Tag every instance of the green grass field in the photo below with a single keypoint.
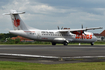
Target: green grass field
[{"x": 7, "y": 65}]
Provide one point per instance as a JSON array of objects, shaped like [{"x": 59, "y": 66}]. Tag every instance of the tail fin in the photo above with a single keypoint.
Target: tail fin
[{"x": 18, "y": 24}]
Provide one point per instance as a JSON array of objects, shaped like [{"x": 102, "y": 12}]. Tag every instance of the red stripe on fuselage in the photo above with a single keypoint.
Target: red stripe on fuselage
[{"x": 30, "y": 31}]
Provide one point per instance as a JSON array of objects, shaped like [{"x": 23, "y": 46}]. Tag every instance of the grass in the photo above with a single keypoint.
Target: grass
[{"x": 7, "y": 65}]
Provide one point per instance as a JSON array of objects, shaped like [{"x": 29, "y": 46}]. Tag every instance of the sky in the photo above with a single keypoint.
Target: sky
[{"x": 48, "y": 14}]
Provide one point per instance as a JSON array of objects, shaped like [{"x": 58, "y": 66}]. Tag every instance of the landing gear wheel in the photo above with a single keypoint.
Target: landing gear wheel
[
  {"x": 65, "y": 43},
  {"x": 92, "y": 44},
  {"x": 53, "y": 43}
]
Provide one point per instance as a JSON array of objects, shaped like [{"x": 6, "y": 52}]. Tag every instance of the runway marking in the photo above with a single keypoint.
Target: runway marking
[
  {"x": 26, "y": 55},
  {"x": 41, "y": 56},
  {"x": 84, "y": 57}
]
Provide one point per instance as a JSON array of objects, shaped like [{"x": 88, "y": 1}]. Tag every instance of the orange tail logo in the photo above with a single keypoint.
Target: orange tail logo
[{"x": 16, "y": 22}]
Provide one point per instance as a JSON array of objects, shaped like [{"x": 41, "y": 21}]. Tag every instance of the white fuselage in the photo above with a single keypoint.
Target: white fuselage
[{"x": 55, "y": 36}]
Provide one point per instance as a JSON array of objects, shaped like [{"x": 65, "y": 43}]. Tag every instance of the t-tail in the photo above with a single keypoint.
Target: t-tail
[{"x": 18, "y": 24}]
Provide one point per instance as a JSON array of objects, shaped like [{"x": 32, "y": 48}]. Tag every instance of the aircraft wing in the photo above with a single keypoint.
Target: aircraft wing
[{"x": 84, "y": 29}]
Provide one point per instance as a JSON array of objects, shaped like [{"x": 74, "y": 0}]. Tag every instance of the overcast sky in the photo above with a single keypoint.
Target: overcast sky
[{"x": 48, "y": 14}]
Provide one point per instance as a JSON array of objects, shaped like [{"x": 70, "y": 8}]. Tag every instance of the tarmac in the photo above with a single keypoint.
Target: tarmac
[{"x": 49, "y": 54}]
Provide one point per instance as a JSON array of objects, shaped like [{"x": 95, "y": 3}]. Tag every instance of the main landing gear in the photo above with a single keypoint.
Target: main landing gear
[
  {"x": 53, "y": 43},
  {"x": 65, "y": 43}
]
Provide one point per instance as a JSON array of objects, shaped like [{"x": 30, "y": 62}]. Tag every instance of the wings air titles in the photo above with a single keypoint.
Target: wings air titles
[{"x": 83, "y": 36}]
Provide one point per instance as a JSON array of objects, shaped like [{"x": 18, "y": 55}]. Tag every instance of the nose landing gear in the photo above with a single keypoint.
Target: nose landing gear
[{"x": 92, "y": 43}]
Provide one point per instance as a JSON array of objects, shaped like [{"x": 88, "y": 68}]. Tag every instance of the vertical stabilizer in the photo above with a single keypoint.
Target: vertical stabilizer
[{"x": 18, "y": 24}]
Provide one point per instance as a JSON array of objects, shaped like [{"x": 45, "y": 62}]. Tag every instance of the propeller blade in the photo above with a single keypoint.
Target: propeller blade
[
  {"x": 82, "y": 31},
  {"x": 58, "y": 27},
  {"x": 82, "y": 26},
  {"x": 61, "y": 28}
]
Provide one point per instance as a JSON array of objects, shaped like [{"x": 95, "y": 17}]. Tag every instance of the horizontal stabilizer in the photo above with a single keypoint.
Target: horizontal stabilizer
[
  {"x": 6, "y": 13},
  {"x": 13, "y": 12}
]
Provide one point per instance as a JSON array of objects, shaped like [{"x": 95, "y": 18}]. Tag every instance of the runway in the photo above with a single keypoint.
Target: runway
[{"x": 58, "y": 51}]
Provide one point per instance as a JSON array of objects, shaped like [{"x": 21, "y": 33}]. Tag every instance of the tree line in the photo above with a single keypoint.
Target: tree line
[{"x": 5, "y": 38}]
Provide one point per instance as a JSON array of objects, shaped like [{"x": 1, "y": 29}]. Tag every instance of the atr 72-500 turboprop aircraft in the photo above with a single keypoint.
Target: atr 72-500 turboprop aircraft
[{"x": 63, "y": 36}]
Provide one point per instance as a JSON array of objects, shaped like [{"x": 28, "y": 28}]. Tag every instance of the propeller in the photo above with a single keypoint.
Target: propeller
[
  {"x": 58, "y": 27},
  {"x": 82, "y": 32},
  {"x": 61, "y": 28},
  {"x": 82, "y": 26}
]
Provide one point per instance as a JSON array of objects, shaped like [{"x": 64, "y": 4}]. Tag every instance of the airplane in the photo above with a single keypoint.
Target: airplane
[{"x": 64, "y": 35}]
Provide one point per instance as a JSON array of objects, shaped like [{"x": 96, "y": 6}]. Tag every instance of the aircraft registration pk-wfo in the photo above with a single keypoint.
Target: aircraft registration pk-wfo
[{"x": 63, "y": 36}]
